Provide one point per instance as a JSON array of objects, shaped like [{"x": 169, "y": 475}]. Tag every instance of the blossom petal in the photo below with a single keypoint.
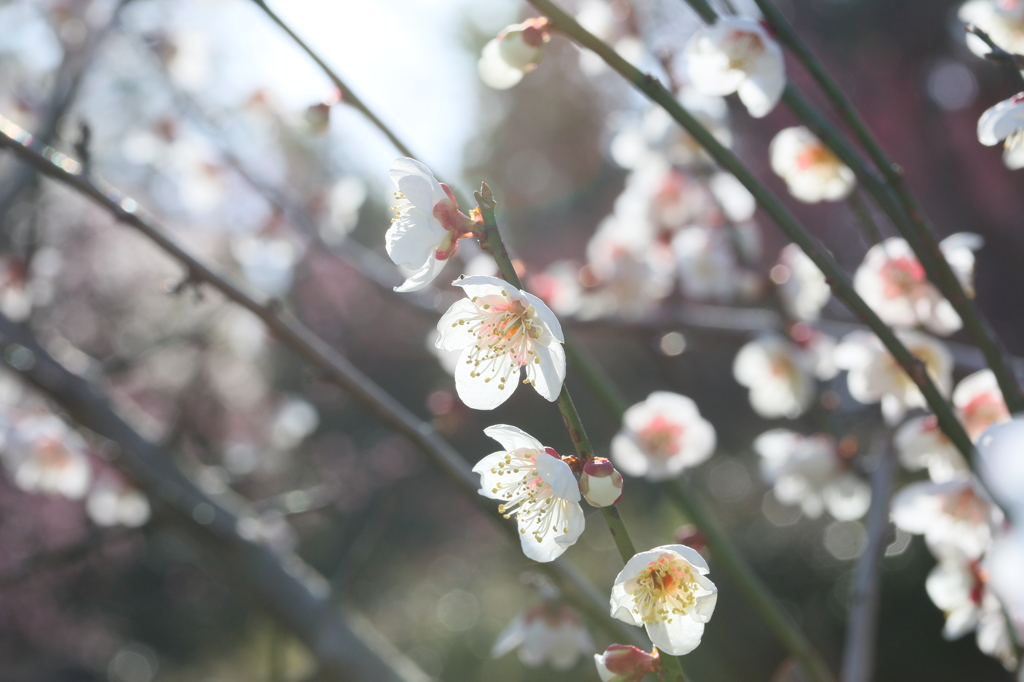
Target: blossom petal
[
  {"x": 476, "y": 393},
  {"x": 680, "y": 636},
  {"x": 424, "y": 276},
  {"x": 511, "y": 637},
  {"x": 413, "y": 238},
  {"x": 554, "y": 543},
  {"x": 512, "y": 438},
  {"x": 494, "y": 70},
  {"x": 481, "y": 285},
  {"x": 547, "y": 375},
  {"x": 417, "y": 183},
  {"x": 762, "y": 89},
  {"x": 558, "y": 475},
  {"x": 1000, "y": 121},
  {"x": 546, "y": 316},
  {"x": 450, "y": 334}
]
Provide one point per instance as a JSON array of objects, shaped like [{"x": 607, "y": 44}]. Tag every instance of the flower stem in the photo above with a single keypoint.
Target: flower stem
[
  {"x": 490, "y": 240},
  {"x": 908, "y": 216}
]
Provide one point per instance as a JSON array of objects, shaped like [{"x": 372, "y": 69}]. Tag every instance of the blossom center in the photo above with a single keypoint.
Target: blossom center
[
  {"x": 664, "y": 589},
  {"x": 506, "y": 331},
  {"x": 743, "y": 48},
  {"x": 661, "y": 437},
  {"x": 901, "y": 276},
  {"x": 53, "y": 455},
  {"x": 818, "y": 157},
  {"x": 527, "y": 496},
  {"x": 965, "y": 505},
  {"x": 982, "y": 412},
  {"x": 456, "y": 223}
]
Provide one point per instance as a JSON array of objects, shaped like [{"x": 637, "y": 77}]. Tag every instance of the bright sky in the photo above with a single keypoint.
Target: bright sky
[{"x": 405, "y": 59}]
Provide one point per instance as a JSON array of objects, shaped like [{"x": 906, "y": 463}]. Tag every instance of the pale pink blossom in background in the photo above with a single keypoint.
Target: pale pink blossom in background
[
  {"x": 624, "y": 663},
  {"x": 893, "y": 282},
  {"x": 808, "y": 471},
  {"x": 779, "y": 374},
  {"x": 955, "y": 517},
  {"x": 547, "y": 633},
  {"x": 736, "y": 54},
  {"x": 1003, "y": 20},
  {"x": 662, "y": 436},
  {"x": 980, "y": 403},
  {"x": 1000, "y": 464},
  {"x": 657, "y": 137},
  {"x": 875, "y": 376},
  {"x": 115, "y": 502},
  {"x": 665, "y": 591},
  {"x": 501, "y": 330},
  {"x": 802, "y": 286},
  {"x": 514, "y": 52},
  {"x": 537, "y": 487},
  {"x": 921, "y": 444},
  {"x": 44, "y": 455},
  {"x": 811, "y": 170}
]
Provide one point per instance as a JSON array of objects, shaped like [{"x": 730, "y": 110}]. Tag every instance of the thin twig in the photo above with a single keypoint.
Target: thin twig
[
  {"x": 998, "y": 55},
  {"x": 862, "y": 625},
  {"x": 314, "y": 351}
]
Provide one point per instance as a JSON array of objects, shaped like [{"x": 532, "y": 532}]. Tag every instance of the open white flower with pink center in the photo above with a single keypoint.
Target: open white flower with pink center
[
  {"x": 665, "y": 591},
  {"x": 708, "y": 270},
  {"x": 427, "y": 225},
  {"x": 955, "y": 517},
  {"x": 893, "y": 282},
  {"x": 802, "y": 286},
  {"x": 115, "y": 502},
  {"x": 500, "y": 330},
  {"x": 921, "y": 444},
  {"x": 1001, "y": 465},
  {"x": 1004, "y": 122},
  {"x": 514, "y": 52},
  {"x": 631, "y": 272},
  {"x": 808, "y": 471},
  {"x": 779, "y": 374},
  {"x": 548, "y": 633},
  {"x": 661, "y": 437},
  {"x": 535, "y": 486},
  {"x": 624, "y": 663},
  {"x": 980, "y": 403},
  {"x": 875, "y": 376},
  {"x": 736, "y": 54},
  {"x": 46, "y": 456},
  {"x": 811, "y": 170}
]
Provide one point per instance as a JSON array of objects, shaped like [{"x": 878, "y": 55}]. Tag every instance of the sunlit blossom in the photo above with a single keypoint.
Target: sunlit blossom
[
  {"x": 979, "y": 403},
  {"x": 115, "y": 502},
  {"x": 921, "y": 444},
  {"x": 548, "y": 633},
  {"x": 802, "y": 286},
  {"x": 779, "y": 374},
  {"x": 893, "y": 282},
  {"x": 665, "y": 591},
  {"x": 500, "y": 330},
  {"x": 736, "y": 54},
  {"x": 44, "y": 455},
  {"x": 1001, "y": 465},
  {"x": 624, "y": 663},
  {"x": 536, "y": 487},
  {"x": 955, "y": 517},
  {"x": 808, "y": 471},
  {"x": 811, "y": 170},
  {"x": 600, "y": 483},
  {"x": 514, "y": 52},
  {"x": 1003, "y": 20},
  {"x": 427, "y": 225},
  {"x": 662, "y": 436},
  {"x": 1004, "y": 122},
  {"x": 875, "y": 376}
]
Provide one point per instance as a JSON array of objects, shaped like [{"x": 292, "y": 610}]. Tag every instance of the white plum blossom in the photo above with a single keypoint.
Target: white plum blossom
[
  {"x": 535, "y": 486},
  {"x": 501, "y": 329},
  {"x": 1001, "y": 465},
  {"x": 625, "y": 663},
  {"x": 875, "y": 376},
  {"x": 633, "y": 271},
  {"x": 662, "y": 436},
  {"x": 808, "y": 471},
  {"x": 657, "y": 137},
  {"x": 893, "y": 282},
  {"x": 548, "y": 633},
  {"x": 708, "y": 270},
  {"x": 1004, "y": 562},
  {"x": 811, "y": 170},
  {"x": 921, "y": 444},
  {"x": 114, "y": 502},
  {"x": 1003, "y": 20},
  {"x": 514, "y": 52},
  {"x": 955, "y": 517},
  {"x": 960, "y": 588},
  {"x": 802, "y": 286},
  {"x": 427, "y": 225},
  {"x": 979, "y": 403},
  {"x": 1004, "y": 122},
  {"x": 779, "y": 374},
  {"x": 736, "y": 54},
  {"x": 665, "y": 591},
  {"x": 44, "y": 455}
]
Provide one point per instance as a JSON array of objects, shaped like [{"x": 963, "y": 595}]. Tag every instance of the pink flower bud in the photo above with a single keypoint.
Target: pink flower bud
[
  {"x": 522, "y": 45},
  {"x": 622, "y": 663},
  {"x": 692, "y": 537},
  {"x": 600, "y": 483}
]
